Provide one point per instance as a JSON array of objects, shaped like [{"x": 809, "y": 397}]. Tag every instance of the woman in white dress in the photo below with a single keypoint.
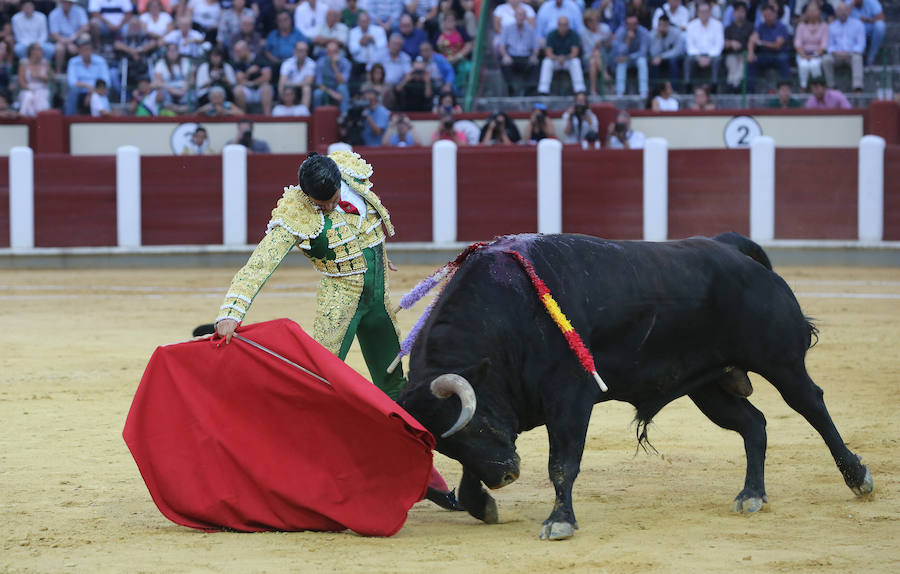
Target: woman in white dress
[{"x": 34, "y": 73}]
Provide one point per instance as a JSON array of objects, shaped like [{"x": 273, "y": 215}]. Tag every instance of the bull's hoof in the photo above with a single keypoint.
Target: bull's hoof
[
  {"x": 746, "y": 504},
  {"x": 558, "y": 530},
  {"x": 867, "y": 486}
]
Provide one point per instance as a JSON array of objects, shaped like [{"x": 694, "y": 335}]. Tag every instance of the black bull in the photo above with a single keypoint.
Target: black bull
[{"x": 662, "y": 320}]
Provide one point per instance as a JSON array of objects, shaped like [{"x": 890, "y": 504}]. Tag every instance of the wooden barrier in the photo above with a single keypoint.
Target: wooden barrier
[
  {"x": 892, "y": 193},
  {"x": 4, "y": 202},
  {"x": 602, "y": 192},
  {"x": 709, "y": 192},
  {"x": 181, "y": 200},
  {"x": 816, "y": 194}
]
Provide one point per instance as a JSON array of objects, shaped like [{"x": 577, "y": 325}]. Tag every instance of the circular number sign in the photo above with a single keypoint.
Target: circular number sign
[{"x": 740, "y": 131}]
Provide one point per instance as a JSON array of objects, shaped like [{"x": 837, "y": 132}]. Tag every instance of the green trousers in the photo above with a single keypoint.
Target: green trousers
[{"x": 374, "y": 328}]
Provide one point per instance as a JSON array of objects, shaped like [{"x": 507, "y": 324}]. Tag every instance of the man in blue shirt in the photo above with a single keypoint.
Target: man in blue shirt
[
  {"x": 768, "y": 47},
  {"x": 332, "y": 75},
  {"x": 631, "y": 45},
  {"x": 376, "y": 119},
  {"x": 412, "y": 36},
  {"x": 82, "y": 74},
  {"x": 67, "y": 21},
  {"x": 846, "y": 46},
  {"x": 869, "y": 12},
  {"x": 281, "y": 41}
]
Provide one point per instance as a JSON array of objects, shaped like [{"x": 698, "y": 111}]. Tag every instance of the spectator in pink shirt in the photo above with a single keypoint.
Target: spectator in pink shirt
[
  {"x": 823, "y": 98},
  {"x": 810, "y": 41}
]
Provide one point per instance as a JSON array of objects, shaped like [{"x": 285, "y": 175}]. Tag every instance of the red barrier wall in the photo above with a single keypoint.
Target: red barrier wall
[
  {"x": 892, "y": 193},
  {"x": 497, "y": 191},
  {"x": 181, "y": 200},
  {"x": 267, "y": 176},
  {"x": 709, "y": 192},
  {"x": 74, "y": 201},
  {"x": 4, "y": 202},
  {"x": 403, "y": 182},
  {"x": 816, "y": 193},
  {"x": 603, "y": 192}
]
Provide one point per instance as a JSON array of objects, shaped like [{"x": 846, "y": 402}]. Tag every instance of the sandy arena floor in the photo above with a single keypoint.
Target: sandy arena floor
[{"x": 74, "y": 345}]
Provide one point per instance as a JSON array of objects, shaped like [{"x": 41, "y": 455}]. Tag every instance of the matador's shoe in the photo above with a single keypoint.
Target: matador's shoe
[{"x": 444, "y": 499}]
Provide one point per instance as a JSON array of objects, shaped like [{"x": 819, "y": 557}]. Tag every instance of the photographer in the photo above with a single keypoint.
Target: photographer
[
  {"x": 375, "y": 119},
  {"x": 415, "y": 89},
  {"x": 245, "y": 138},
  {"x": 399, "y": 133},
  {"x": 621, "y": 136},
  {"x": 447, "y": 131},
  {"x": 539, "y": 125},
  {"x": 499, "y": 129},
  {"x": 578, "y": 120}
]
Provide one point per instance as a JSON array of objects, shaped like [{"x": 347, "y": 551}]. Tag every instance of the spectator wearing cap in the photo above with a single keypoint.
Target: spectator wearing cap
[
  {"x": 823, "y": 98},
  {"x": 846, "y": 46},
  {"x": 737, "y": 38},
  {"x": 768, "y": 47},
  {"x": 870, "y": 13},
  {"x": 332, "y": 75},
  {"x": 66, "y": 23},
  {"x": 82, "y": 74},
  {"x": 579, "y": 120},
  {"x": 108, "y": 16},
  {"x": 666, "y": 51},
  {"x": 412, "y": 36},
  {"x": 519, "y": 46},
  {"x": 30, "y": 27},
  {"x": 376, "y": 119},
  {"x": 704, "y": 41},
  {"x": 631, "y": 48},
  {"x": 298, "y": 74},
  {"x": 331, "y": 29},
  {"x": 551, "y": 11},
  {"x": 540, "y": 126},
  {"x": 562, "y": 52},
  {"x": 810, "y": 42}
]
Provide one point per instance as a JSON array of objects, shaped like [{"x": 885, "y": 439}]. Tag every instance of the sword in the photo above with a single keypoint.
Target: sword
[{"x": 277, "y": 356}]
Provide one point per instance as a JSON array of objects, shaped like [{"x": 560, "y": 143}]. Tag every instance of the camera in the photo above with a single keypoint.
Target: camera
[
  {"x": 580, "y": 109},
  {"x": 620, "y": 127},
  {"x": 540, "y": 116},
  {"x": 246, "y": 139},
  {"x": 352, "y": 126}
]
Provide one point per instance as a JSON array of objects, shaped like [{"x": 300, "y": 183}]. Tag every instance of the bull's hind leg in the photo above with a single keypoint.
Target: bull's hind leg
[
  {"x": 567, "y": 433},
  {"x": 736, "y": 413},
  {"x": 805, "y": 397}
]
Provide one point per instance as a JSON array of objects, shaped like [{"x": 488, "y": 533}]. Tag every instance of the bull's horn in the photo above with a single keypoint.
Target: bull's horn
[{"x": 448, "y": 385}]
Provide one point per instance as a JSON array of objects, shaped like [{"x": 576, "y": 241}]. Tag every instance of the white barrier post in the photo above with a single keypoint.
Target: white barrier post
[
  {"x": 762, "y": 189},
  {"x": 21, "y": 198},
  {"x": 128, "y": 196},
  {"x": 656, "y": 189},
  {"x": 549, "y": 191},
  {"x": 870, "y": 211},
  {"x": 443, "y": 191},
  {"x": 234, "y": 195}
]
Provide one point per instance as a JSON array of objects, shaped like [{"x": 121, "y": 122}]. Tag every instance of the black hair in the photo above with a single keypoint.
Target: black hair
[
  {"x": 662, "y": 18},
  {"x": 319, "y": 177},
  {"x": 739, "y": 4},
  {"x": 817, "y": 80}
]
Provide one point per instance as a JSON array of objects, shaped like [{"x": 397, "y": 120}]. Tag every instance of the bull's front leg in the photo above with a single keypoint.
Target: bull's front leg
[
  {"x": 476, "y": 500},
  {"x": 567, "y": 435}
]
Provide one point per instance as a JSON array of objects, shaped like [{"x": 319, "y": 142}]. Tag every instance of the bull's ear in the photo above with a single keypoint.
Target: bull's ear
[{"x": 477, "y": 372}]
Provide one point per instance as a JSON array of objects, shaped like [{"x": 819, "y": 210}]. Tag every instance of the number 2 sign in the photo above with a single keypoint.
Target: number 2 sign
[{"x": 740, "y": 131}]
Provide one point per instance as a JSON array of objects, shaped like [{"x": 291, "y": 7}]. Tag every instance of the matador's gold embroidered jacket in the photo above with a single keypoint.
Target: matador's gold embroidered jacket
[{"x": 334, "y": 242}]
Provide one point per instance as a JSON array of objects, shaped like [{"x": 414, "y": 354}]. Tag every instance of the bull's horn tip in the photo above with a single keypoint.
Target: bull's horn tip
[{"x": 600, "y": 382}]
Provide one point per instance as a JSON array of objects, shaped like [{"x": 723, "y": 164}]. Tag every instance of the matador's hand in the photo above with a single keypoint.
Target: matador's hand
[
  {"x": 225, "y": 328},
  {"x": 391, "y": 266}
]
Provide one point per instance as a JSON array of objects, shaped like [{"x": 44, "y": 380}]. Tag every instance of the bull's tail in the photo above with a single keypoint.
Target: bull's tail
[{"x": 746, "y": 246}]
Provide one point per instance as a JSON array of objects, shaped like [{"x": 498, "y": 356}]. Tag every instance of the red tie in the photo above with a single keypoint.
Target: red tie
[{"x": 348, "y": 207}]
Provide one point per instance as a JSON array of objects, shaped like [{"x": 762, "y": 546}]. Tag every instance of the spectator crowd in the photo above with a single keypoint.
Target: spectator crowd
[{"x": 378, "y": 59}]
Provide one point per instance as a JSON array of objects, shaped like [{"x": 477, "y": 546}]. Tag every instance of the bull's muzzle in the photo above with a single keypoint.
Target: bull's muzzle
[{"x": 451, "y": 384}]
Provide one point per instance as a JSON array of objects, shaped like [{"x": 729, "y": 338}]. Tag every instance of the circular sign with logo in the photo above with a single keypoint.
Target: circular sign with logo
[
  {"x": 740, "y": 131},
  {"x": 181, "y": 136}
]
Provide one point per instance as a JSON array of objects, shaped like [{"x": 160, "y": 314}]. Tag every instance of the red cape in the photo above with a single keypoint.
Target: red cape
[{"x": 228, "y": 436}]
